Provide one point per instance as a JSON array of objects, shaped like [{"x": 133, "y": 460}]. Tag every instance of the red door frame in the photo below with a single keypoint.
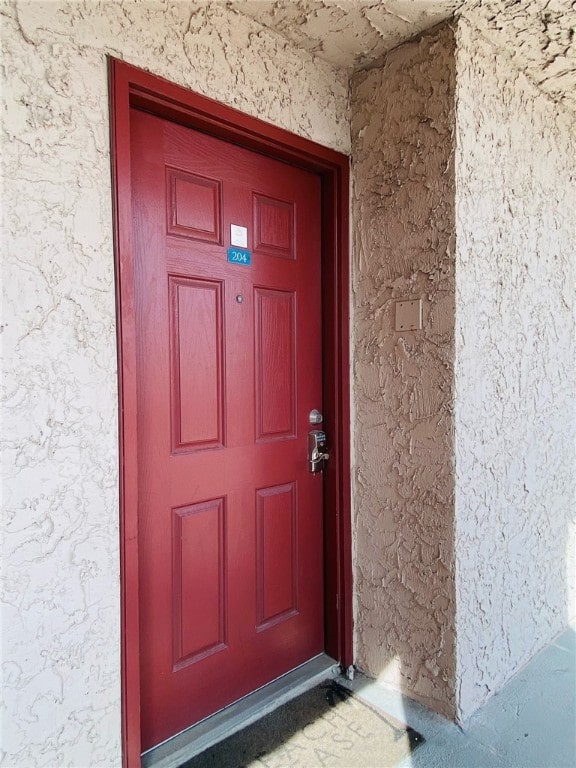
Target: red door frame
[{"x": 133, "y": 87}]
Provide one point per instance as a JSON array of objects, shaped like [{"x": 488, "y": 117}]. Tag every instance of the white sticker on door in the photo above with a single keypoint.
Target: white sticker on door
[{"x": 238, "y": 236}]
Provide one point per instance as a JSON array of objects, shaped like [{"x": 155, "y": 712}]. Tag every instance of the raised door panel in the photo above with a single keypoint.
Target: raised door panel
[
  {"x": 194, "y": 206},
  {"x": 275, "y": 385},
  {"x": 273, "y": 227},
  {"x": 196, "y": 333},
  {"x": 199, "y": 581},
  {"x": 277, "y": 556}
]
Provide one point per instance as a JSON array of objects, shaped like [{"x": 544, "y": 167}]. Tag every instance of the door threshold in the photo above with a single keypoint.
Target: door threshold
[{"x": 175, "y": 751}]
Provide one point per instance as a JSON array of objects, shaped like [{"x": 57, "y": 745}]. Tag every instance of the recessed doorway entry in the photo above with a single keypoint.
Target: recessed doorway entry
[{"x": 232, "y": 305}]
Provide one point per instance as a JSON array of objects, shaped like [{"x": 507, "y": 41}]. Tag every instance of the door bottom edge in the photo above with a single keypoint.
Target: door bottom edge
[{"x": 199, "y": 737}]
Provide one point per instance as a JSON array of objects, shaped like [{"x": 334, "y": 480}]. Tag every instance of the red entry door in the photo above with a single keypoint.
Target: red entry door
[{"x": 229, "y": 367}]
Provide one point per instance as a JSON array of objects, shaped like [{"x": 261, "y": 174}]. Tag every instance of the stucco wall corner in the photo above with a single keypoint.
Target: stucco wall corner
[{"x": 403, "y": 248}]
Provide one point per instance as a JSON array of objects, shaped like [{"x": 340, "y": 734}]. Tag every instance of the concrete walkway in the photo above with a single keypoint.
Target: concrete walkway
[{"x": 531, "y": 723}]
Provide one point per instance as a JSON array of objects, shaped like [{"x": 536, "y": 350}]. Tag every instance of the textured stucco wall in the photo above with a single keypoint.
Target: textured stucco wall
[
  {"x": 514, "y": 215},
  {"x": 515, "y": 369},
  {"x": 537, "y": 35},
  {"x": 61, "y": 636},
  {"x": 403, "y": 248}
]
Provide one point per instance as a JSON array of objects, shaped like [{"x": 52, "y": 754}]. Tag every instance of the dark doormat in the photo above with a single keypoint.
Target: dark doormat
[{"x": 327, "y": 727}]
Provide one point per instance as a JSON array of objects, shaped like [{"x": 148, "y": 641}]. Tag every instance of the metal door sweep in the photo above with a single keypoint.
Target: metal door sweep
[{"x": 173, "y": 752}]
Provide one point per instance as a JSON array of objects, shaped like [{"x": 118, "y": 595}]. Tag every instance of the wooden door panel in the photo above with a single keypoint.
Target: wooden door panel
[
  {"x": 193, "y": 206},
  {"x": 275, "y": 369},
  {"x": 229, "y": 366},
  {"x": 273, "y": 226},
  {"x": 197, "y": 370},
  {"x": 276, "y": 554},
  {"x": 199, "y": 581}
]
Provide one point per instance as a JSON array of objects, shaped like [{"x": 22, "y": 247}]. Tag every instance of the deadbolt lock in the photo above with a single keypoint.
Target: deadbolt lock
[{"x": 317, "y": 453}]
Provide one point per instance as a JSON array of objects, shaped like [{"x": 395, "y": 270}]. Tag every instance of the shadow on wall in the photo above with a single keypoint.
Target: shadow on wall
[
  {"x": 492, "y": 562},
  {"x": 403, "y": 209}
]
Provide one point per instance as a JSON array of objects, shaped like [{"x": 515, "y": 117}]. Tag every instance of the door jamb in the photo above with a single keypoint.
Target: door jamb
[{"x": 133, "y": 87}]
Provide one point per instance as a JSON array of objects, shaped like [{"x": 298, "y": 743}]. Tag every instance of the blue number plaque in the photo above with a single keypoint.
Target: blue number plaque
[{"x": 240, "y": 256}]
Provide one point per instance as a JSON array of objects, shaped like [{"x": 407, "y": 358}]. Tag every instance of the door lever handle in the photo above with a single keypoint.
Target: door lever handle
[{"x": 317, "y": 453}]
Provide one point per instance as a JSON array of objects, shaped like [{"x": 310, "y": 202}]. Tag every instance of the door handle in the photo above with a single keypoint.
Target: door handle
[{"x": 317, "y": 453}]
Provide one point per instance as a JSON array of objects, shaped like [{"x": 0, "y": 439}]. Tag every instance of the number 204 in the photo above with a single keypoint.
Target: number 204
[{"x": 239, "y": 257}]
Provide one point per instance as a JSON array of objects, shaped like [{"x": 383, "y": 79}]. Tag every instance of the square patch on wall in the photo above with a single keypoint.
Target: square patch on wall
[{"x": 409, "y": 315}]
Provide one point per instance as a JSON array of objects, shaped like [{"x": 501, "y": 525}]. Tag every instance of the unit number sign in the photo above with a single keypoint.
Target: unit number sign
[{"x": 239, "y": 256}]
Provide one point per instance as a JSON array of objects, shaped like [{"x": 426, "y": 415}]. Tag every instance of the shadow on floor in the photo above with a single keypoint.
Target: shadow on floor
[
  {"x": 530, "y": 723},
  {"x": 326, "y": 726}
]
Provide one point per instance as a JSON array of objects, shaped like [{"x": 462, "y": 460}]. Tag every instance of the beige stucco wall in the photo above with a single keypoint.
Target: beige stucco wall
[
  {"x": 515, "y": 372},
  {"x": 403, "y": 248},
  {"x": 61, "y": 634}
]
